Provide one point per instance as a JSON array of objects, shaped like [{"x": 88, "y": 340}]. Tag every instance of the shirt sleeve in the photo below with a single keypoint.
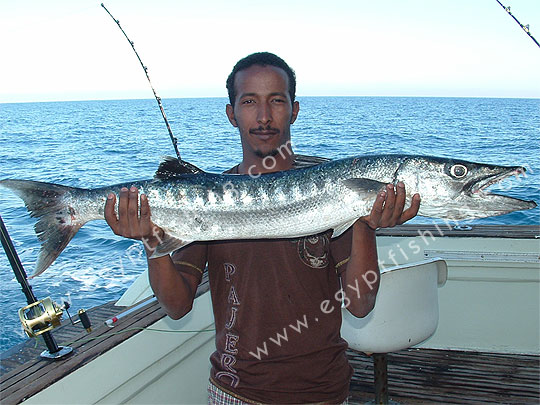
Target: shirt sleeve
[{"x": 191, "y": 259}]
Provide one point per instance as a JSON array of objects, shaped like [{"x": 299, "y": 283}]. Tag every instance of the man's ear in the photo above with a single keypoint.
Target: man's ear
[
  {"x": 295, "y": 111},
  {"x": 229, "y": 110}
]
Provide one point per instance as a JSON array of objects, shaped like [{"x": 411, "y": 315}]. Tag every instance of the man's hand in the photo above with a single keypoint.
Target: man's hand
[
  {"x": 129, "y": 223},
  {"x": 388, "y": 209}
]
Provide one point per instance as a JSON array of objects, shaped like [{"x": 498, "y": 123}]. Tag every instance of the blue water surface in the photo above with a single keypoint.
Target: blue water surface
[{"x": 95, "y": 143}]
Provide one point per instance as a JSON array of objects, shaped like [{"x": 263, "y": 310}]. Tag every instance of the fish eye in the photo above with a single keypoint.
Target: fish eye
[{"x": 458, "y": 171}]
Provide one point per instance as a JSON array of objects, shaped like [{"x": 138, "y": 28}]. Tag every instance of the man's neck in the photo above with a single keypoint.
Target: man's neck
[{"x": 269, "y": 164}]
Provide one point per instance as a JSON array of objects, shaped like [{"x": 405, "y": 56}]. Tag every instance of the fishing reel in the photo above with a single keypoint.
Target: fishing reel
[{"x": 45, "y": 315}]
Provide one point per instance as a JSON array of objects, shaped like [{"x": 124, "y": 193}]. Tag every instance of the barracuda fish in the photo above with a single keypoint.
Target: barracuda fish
[{"x": 192, "y": 205}]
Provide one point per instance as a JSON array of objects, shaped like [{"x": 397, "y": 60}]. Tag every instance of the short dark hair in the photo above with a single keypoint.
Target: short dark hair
[{"x": 262, "y": 59}]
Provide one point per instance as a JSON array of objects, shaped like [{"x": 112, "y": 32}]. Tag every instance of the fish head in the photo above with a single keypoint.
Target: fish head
[{"x": 456, "y": 189}]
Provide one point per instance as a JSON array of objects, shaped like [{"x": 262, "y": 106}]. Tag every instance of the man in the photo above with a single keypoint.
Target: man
[{"x": 276, "y": 302}]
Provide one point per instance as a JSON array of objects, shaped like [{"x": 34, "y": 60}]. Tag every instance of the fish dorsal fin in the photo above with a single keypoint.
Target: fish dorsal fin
[
  {"x": 171, "y": 167},
  {"x": 363, "y": 186}
]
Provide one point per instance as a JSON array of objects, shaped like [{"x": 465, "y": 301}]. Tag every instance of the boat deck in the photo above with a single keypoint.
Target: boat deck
[
  {"x": 415, "y": 375},
  {"x": 24, "y": 372},
  {"x": 419, "y": 376}
]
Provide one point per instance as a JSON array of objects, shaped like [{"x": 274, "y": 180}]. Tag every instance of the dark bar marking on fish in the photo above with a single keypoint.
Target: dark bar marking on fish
[
  {"x": 158, "y": 99},
  {"x": 395, "y": 179}
]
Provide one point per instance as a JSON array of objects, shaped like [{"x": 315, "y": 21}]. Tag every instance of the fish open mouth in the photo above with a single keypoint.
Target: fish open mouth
[{"x": 482, "y": 184}]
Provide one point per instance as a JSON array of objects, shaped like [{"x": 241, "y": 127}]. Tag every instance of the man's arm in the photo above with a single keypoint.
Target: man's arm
[
  {"x": 175, "y": 290},
  {"x": 360, "y": 279}
]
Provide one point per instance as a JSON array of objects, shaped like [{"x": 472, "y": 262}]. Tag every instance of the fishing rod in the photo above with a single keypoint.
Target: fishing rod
[
  {"x": 37, "y": 313},
  {"x": 158, "y": 99},
  {"x": 15, "y": 262},
  {"x": 523, "y": 27}
]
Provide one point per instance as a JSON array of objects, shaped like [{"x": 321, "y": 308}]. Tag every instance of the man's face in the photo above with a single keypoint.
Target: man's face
[{"x": 263, "y": 110}]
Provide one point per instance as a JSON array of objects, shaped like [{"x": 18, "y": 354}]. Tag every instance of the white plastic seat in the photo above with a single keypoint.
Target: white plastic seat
[{"x": 406, "y": 313}]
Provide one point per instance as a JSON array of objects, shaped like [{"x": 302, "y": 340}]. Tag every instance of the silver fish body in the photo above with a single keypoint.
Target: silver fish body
[{"x": 200, "y": 206}]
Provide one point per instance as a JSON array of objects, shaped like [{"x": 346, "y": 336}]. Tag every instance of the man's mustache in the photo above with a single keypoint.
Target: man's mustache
[{"x": 264, "y": 129}]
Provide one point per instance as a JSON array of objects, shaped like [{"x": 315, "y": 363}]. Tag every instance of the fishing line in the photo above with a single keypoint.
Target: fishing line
[
  {"x": 138, "y": 329},
  {"x": 158, "y": 99},
  {"x": 523, "y": 27}
]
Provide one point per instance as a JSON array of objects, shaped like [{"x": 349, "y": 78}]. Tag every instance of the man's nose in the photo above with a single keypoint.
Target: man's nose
[{"x": 264, "y": 114}]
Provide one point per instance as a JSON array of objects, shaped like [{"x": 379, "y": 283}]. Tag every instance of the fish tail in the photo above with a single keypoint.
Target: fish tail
[{"x": 57, "y": 219}]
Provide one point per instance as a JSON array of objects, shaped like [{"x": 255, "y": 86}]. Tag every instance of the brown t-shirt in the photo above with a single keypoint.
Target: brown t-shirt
[{"x": 277, "y": 315}]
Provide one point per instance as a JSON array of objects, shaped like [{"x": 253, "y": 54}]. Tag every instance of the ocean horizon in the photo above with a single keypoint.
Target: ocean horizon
[{"x": 165, "y": 100}]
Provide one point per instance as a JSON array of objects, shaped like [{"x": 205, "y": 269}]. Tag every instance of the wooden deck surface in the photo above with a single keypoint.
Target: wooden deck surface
[{"x": 419, "y": 376}]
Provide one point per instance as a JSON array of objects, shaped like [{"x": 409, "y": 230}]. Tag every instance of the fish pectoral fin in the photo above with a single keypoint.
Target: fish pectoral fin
[
  {"x": 172, "y": 167},
  {"x": 367, "y": 188},
  {"x": 363, "y": 185},
  {"x": 338, "y": 230},
  {"x": 168, "y": 245}
]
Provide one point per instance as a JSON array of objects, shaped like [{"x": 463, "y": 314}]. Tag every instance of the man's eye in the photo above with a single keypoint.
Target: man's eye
[
  {"x": 278, "y": 100},
  {"x": 247, "y": 102}
]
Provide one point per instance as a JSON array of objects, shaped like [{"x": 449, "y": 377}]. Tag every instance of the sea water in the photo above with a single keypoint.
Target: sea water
[{"x": 95, "y": 143}]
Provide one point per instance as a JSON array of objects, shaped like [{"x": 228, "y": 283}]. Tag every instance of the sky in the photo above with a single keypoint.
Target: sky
[{"x": 60, "y": 50}]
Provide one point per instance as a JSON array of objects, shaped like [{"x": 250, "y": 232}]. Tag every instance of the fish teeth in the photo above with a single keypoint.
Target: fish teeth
[{"x": 498, "y": 178}]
